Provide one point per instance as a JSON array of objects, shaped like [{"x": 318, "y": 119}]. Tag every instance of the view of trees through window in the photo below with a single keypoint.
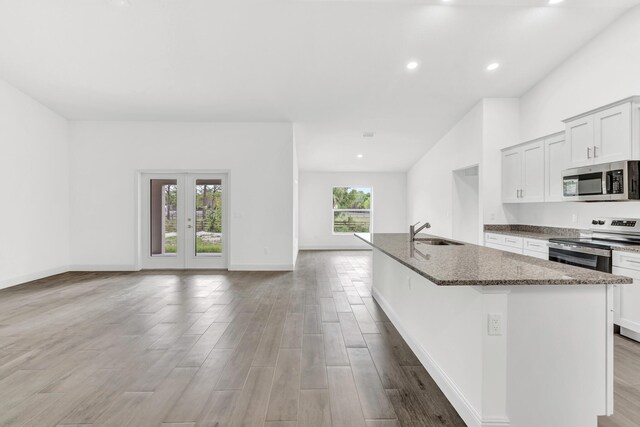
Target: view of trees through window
[
  {"x": 351, "y": 209},
  {"x": 208, "y": 217}
]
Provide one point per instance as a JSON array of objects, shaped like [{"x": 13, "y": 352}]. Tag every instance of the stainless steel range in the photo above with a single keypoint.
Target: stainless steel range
[{"x": 594, "y": 251}]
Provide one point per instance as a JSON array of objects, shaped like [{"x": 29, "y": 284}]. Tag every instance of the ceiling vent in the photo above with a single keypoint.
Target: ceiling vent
[{"x": 368, "y": 134}]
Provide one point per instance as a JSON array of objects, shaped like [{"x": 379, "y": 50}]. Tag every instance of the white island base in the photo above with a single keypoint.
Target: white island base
[{"x": 552, "y": 365}]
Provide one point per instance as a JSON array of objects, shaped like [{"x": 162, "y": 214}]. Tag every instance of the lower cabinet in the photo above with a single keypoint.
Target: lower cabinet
[
  {"x": 627, "y": 297},
  {"x": 518, "y": 245}
]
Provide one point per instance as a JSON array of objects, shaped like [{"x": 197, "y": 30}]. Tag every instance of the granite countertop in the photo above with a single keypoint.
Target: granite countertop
[
  {"x": 473, "y": 265},
  {"x": 532, "y": 231}
]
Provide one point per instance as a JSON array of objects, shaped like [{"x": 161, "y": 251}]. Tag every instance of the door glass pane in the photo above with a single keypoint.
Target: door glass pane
[
  {"x": 164, "y": 199},
  {"x": 208, "y": 229}
]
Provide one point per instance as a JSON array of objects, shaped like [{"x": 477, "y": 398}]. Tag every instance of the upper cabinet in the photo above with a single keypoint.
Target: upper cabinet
[
  {"x": 523, "y": 173},
  {"x": 604, "y": 135},
  {"x": 531, "y": 172}
]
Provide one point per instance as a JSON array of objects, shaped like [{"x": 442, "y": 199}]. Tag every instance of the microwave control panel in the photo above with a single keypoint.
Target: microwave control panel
[{"x": 617, "y": 182}]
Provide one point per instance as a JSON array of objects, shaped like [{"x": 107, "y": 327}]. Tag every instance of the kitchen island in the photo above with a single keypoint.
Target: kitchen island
[{"x": 511, "y": 340}]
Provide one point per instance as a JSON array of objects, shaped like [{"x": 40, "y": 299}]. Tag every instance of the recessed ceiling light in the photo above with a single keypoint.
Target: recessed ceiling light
[
  {"x": 493, "y": 66},
  {"x": 555, "y": 1},
  {"x": 412, "y": 65},
  {"x": 359, "y": 156}
]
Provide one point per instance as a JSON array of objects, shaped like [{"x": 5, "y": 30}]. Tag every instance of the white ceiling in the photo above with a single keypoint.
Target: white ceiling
[{"x": 335, "y": 68}]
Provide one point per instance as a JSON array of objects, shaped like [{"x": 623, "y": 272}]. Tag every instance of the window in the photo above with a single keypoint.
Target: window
[{"x": 351, "y": 210}]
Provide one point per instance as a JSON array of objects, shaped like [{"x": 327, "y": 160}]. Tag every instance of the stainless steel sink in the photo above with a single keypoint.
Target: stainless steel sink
[{"x": 436, "y": 242}]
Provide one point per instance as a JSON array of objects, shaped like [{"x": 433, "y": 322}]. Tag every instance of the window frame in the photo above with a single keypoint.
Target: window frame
[{"x": 333, "y": 210}]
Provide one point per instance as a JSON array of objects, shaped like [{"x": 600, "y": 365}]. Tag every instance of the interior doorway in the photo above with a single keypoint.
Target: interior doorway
[
  {"x": 466, "y": 205},
  {"x": 184, "y": 220}
]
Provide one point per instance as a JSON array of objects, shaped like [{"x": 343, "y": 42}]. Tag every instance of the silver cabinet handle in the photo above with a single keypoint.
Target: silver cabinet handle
[
  {"x": 588, "y": 152},
  {"x": 595, "y": 153}
]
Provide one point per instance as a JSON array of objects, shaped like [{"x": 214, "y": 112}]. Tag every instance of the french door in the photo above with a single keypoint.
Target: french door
[{"x": 184, "y": 221}]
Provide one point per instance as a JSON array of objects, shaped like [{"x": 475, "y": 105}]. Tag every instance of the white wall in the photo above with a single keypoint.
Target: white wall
[
  {"x": 605, "y": 70},
  {"x": 389, "y": 206},
  {"x": 430, "y": 180},
  {"x": 476, "y": 139},
  {"x": 34, "y": 171},
  {"x": 106, "y": 156},
  {"x": 500, "y": 130}
]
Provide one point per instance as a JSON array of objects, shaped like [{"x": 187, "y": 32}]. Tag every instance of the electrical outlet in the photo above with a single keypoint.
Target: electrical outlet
[{"x": 495, "y": 324}]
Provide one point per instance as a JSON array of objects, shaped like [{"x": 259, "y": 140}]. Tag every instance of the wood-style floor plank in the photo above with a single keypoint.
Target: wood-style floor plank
[
  {"x": 334, "y": 348},
  {"x": 283, "y": 401},
  {"x": 315, "y": 409},
  {"x": 313, "y": 363},
  {"x": 345, "y": 404},
  {"x": 373, "y": 399}
]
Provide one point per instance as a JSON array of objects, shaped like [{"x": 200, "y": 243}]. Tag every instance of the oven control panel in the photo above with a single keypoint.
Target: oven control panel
[{"x": 620, "y": 225}]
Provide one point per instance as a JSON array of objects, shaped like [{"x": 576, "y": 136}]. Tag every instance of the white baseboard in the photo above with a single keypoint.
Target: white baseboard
[
  {"x": 630, "y": 333},
  {"x": 465, "y": 409},
  {"x": 261, "y": 267},
  {"x": 14, "y": 281},
  {"x": 335, "y": 248},
  {"x": 83, "y": 267}
]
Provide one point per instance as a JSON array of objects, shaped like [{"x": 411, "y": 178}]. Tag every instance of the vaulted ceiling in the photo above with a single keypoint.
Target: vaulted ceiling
[{"x": 334, "y": 68}]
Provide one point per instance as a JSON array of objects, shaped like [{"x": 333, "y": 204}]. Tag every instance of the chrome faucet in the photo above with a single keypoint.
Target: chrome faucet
[{"x": 413, "y": 231}]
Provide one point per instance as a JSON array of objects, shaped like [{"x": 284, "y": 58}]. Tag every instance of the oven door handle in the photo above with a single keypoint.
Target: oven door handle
[{"x": 580, "y": 249}]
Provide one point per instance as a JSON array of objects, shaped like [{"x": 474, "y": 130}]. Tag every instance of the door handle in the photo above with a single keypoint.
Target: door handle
[
  {"x": 595, "y": 153},
  {"x": 588, "y": 152},
  {"x": 189, "y": 226}
]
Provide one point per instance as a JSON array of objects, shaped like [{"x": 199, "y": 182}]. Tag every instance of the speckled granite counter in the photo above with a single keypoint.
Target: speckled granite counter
[
  {"x": 532, "y": 231},
  {"x": 472, "y": 265}
]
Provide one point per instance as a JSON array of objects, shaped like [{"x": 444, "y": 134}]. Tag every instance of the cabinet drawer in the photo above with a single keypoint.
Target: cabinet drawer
[
  {"x": 513, "y": 242},
  {"x": 536, "y": 245},
  {"x": 496, "y": 239},
  {"x": 626, "y": 260}
]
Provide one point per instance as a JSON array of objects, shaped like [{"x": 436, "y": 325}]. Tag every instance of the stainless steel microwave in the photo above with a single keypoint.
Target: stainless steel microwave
[{"x": 609, "y": 181}]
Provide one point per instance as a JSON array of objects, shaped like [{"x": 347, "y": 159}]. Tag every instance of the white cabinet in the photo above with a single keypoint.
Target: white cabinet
[
  {"x": 612, "y": 134},
  {"x": 503, "y": 242},
  {"x": 536, "y": 248},
  {"x": 555, "y": 163},
  {"x": 580, "y": 142},
  {"x": 627, "y": 297},
  {"x": 523, "y": 173},
  {"x": 511, "y": 174},
  {"x": 525, "y": 246},
  {"x": 603, "y": 135},
  {"x": 533, "y": 172}
]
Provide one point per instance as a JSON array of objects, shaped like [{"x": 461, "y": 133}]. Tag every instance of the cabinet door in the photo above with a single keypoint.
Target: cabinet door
[
  {"x": 511, "y": 174},
  {"x": 555, "y": 163},
  {"x": 613, "y": 134},
  {"x": 532, "y": 189},
  {"x": 580, "y": 142},
  {"x": 629, "y": 311}
]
